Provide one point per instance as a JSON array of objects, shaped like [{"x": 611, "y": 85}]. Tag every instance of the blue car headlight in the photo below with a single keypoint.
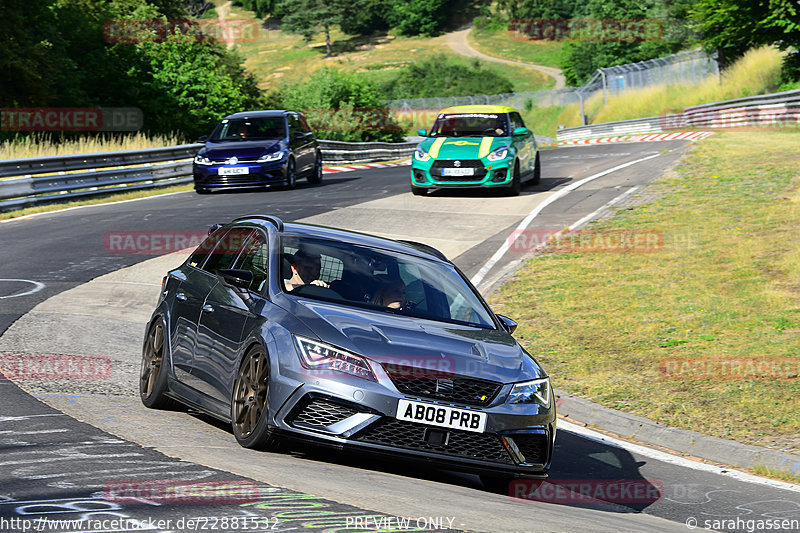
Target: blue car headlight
[
  {"x": 499, "y": 154},
  {"x": 315, "y": 355},
  {"x": 274, "y": 156},
  {"x": 536, "y": 391},
  {"x": 421, "y": 155},
  {"x": 202, "y": 160}
]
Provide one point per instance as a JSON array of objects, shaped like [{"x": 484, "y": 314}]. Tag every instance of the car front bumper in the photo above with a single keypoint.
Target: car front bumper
[
  {"x": 258, "y": 175},
  {"x": 489, "y": 174}
]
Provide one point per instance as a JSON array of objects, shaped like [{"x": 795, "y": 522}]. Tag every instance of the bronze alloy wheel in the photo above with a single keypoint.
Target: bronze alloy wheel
[
  {"x": 152, "y": 379},
  {"x": 250, "y": 394}
]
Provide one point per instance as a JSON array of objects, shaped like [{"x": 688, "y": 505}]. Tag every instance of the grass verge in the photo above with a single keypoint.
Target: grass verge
[
  {"x": 725, "y": 285},
  {"x": 500, "y": 43},
  {"x": 40, "y": 145}
]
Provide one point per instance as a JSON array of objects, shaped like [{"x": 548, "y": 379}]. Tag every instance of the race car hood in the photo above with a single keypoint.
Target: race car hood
[
  {"x": 240, "y": 149},
  {"x": 403, "y": 341},
  {"x": 462, "y": 147}
]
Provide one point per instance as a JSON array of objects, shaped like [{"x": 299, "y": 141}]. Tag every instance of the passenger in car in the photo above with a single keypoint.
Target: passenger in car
[
  {"x": 305, "y": 268},
  {"x": 391, "y": 294}
]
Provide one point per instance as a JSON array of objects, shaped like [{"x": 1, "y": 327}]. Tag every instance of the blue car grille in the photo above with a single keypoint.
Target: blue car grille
[{"x": 411, "y": 436}]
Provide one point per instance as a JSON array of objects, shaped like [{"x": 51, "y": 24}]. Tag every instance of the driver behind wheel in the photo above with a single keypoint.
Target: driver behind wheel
[{"x": 305, "y": 268}]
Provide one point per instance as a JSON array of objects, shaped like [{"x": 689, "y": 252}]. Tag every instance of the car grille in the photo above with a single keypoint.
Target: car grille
[
  {"x": 411, "y": 436},
  {"x": 480, "y": 170},
  {"x": 426, "y": 383},
  {"x": 321, "y": 413},
  {"x": 533, "y": 447}
]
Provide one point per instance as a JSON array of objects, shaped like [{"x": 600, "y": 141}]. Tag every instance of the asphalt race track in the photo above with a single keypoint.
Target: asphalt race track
[{"x": 66, "y": 445}]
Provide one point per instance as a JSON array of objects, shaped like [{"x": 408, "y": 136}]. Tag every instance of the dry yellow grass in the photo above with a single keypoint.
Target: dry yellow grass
[{"x": 44, "y": 145}]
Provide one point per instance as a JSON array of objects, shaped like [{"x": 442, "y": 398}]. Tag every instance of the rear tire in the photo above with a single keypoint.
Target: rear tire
[
  {"x": 315, "y": 178},
  {"x": 250, "y": 405}
]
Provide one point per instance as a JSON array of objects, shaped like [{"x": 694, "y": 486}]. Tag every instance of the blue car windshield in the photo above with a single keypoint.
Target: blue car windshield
[
  {"x": 470, "y": 125},
  {"x": 381, "y": 280},
  {"x": 249, "y": 129}
]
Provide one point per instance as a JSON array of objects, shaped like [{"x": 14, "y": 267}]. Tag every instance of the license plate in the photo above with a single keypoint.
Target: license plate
[
  {"x": 458, "y": 172},
  {"x": 441, "y": 416},
  {"x": 233, "y": 171}
]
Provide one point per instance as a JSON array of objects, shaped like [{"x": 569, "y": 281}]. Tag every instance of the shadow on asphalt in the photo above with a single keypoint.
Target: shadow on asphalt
[{"x": 584, "y": 474}]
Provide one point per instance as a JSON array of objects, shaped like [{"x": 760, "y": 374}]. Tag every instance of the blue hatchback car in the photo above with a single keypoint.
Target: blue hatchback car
[
  {"x": 293, "y": 331},
  {"x": 258, "y": 149}
]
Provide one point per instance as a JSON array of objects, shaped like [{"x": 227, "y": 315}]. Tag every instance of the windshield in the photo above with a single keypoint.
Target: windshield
[
  {"x": 381, "y": 280},
  {"x": 470, "y": 125},
  {"x": 249, "y": 129}
]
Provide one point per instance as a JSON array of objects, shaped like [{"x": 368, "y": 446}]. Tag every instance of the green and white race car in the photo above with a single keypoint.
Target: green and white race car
[{"x": 476, "y": 146}]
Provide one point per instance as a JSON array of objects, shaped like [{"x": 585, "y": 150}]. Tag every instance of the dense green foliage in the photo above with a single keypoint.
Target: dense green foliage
[
  {"x": 605, "y": 48},
  {"x": 441, "y": 76},
  {"x": 731, "y": 27},
  {"x": 340, "y": 106},
  {"x": 60, "y": 53}
]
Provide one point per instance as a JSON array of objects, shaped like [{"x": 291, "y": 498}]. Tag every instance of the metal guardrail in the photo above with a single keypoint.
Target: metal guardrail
[
  {"x": 37, "y": 180},
  {"x": 776, "y": 109}
]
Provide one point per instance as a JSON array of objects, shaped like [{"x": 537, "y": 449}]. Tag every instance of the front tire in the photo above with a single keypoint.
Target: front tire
[
  {"x": 418, "y": 191},
  {"x": 537, "y": 170},
  {"x": 516, "y": 184},
  {"x": 291, "y": 175},
  {"x": 250, "y": 407},
  {"x": 153, "y": 373},
  {"x": 315, "y": 178}
]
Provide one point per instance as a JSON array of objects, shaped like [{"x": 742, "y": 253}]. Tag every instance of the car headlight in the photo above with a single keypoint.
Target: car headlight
[
  {"x": 499, "y": 154},
  {"x": 536, "y": 391},
  {"x": 274, "y": 156},
  {"x": 203, "y": 160},
  {"x": 421, "y": 155},
  {"x": 318, "y": 356}
]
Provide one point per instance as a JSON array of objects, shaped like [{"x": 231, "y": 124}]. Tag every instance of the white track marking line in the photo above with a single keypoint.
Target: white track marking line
[
  {"x": 36, "y": 288},
  {"x": 477, "y": 278},
  {"x": 674, "y": 459}
]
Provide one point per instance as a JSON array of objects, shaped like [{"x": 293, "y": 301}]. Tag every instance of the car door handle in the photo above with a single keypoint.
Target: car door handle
[
  {"x": 208, "y": 309},
  {"x": 180, "y": 296}
]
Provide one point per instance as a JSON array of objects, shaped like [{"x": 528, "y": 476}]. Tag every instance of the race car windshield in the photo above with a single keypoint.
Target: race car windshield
[
  {"x": 249, "y": 129},
  {"x": 380, "y": 280},
  {"x": 470, "y": 125}
]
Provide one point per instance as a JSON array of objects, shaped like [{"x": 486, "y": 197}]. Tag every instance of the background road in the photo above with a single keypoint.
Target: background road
[{"x": 65, "y": 250}]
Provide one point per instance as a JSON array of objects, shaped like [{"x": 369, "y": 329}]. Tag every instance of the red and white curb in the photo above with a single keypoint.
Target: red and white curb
[
  {"x": 685, "y": 136},
  {"x": 365, "y": 166}
]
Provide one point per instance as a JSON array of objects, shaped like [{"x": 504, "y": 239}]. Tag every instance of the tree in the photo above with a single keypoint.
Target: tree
[
  {"x": 340, "y": 106},
  {"x": 307, "y": 17},
  {"x": 731, "y": 27}
]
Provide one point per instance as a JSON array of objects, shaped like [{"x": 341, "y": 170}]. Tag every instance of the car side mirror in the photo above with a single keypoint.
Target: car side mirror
[
  {"x": 521, "y": 131},
  {"x": 422, "y": 132},
  {"x": 202, "y": 138},
  {"x": 509, "y": 325},
  {"x": 237, "y": 279}
]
